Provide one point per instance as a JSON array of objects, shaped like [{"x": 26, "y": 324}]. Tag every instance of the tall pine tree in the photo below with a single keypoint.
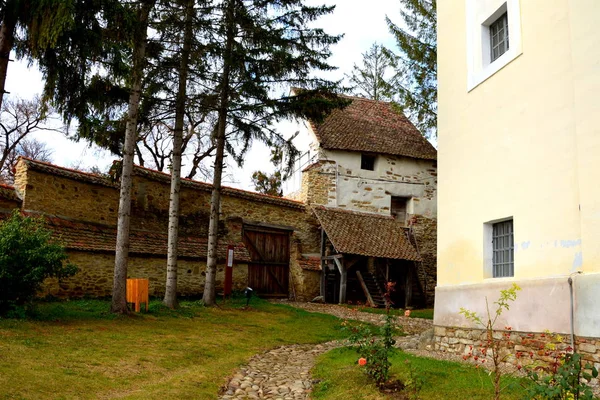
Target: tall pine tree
[
  {"x": 38, "y": 23},
  {"x": 170, "y": 299},
  {"x": 119, "y": 298},
  {"x": 416, "y": 84},
  {"x": 260, "y": 48}
]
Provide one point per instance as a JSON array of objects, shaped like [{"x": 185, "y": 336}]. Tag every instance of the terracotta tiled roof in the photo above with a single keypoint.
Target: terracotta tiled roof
[
  {"x": 227, "y": 191},
  {"x": 366, "y": 234},
  {"x": 67, "y": 172},
  {"x": 8, "y": 192},
  {"x": 102, "y": 238},
  {"x": 372, "y": 126}
]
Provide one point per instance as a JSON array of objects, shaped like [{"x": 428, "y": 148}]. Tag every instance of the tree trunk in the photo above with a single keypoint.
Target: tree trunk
[
  {"x": 7, "y": 37},
  {"x": 170, "y": 299},
  {"x": 119, "y": 294},
  {"x": 209, "y": 295}
]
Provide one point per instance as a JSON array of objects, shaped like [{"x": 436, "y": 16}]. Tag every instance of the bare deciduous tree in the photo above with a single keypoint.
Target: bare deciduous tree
[{"x": 18, "y": 120}]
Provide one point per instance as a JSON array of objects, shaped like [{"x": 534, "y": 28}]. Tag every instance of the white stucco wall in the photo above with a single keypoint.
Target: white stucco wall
[
  {"x": 371, "y": 191},
  {"x": 523, "y": 144}
]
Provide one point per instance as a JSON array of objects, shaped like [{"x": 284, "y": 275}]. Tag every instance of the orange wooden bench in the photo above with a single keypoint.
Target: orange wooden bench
[{"x": 137, "y": 292}]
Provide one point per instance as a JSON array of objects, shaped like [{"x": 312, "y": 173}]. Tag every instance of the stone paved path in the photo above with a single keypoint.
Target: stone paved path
[
  {"x": 281, "y": 373},
  {"x": 284, "y": 372}
]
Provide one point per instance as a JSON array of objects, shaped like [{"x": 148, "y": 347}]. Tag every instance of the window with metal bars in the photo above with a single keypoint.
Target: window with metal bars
[
  {"x": 499, "y": 37},
  {"x": 503, "y": 249}
]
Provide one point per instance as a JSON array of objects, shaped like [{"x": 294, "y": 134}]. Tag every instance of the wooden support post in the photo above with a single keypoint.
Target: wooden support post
[
  {"x": 387, "y": 270},
  {"x": 365, "y": 289},
  {"x": 343, "y": 279},
  {"x": 323, "y": 267},
  {"x": 408, "y": 288}
]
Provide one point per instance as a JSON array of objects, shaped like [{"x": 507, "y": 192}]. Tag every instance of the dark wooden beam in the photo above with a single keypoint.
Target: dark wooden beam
[
  {"x": 323, "y": 266},
  {"x": 365, "y": 289},
  {"x": 408, "y": 288},
  {"x": 256, "y": 226},
  {"x": 333, "y": 257}
]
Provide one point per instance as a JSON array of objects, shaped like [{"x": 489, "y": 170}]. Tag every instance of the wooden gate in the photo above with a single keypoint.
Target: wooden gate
[{"x": 268, "y": 272}]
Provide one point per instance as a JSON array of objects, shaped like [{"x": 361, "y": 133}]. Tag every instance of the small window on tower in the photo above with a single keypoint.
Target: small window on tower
[
  {"x": 367, "y": 162},
  {"x": 398, "y": 208}
]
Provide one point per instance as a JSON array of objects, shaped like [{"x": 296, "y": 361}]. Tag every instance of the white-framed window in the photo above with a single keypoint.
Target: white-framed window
[
  {"x": 493, "y": 37},
  {"x": 503, "y": 249}
]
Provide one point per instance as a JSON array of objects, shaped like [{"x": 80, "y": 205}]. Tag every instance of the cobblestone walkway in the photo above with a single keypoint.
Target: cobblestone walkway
[
  {"x": 284, "y": 372},
  {"x": 281, "y": 373}
]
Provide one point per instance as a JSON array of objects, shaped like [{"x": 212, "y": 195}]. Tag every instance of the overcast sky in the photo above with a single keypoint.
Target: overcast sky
[{"x": 362, "y": 24}]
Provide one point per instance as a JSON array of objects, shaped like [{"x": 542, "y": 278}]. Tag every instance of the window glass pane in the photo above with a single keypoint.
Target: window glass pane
[
  {"x": 503, "y": 249},
  {"x": 499, "y": 36}
]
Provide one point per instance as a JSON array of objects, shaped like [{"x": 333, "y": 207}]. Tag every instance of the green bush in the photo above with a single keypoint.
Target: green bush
[
  {"x": 375, "y": 351},
  {"x": 28, "y": 256},
  {"x": 562, "y": 379}
]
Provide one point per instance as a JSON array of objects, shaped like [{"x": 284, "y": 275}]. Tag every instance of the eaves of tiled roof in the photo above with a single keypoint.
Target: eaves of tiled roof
[
  {"x": 227, "y": 191},
  {"x": 364, "y": 234},
  {"x": 102, "y": 238},
  {"x": 372, "y": 126},
  {"x": 8, "y": 192},
  {"x": 162, "y": 177}
]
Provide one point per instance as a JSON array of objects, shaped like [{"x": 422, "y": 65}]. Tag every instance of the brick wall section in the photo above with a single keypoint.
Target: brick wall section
[{"x": 462, "y": 341}]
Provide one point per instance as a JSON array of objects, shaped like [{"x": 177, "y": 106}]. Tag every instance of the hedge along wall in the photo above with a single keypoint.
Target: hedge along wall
[{"x": 81, "y": 197}]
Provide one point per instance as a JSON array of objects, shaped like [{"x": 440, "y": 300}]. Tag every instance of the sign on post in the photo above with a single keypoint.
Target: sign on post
[{"x": 228, "y": 272}]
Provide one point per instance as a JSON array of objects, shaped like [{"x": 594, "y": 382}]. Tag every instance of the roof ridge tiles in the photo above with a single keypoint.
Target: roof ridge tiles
[
  {"x": 226, "y": 189},
  {"x": 68, "y": 172},
  {"x": 72, "y": 173},
  {"x": 374, "y": 126}
]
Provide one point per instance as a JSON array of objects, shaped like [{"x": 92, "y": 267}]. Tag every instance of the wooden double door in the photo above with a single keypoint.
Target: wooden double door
[{"x": 269, "y": 270}]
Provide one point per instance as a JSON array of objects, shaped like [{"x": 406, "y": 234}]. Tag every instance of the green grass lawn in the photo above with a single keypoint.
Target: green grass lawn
[
  {"x": 426, "y": 313},
  {"x": 341, "y": 378},
  {"x": 78, "y": 350}
]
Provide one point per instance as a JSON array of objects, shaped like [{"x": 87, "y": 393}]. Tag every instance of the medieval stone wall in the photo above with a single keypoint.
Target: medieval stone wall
[
  {"x": 425, "y": 234},
  {"x": 319, "y": 184},
  {"x": 8, "y": 199},
  {"x": 95, "y": 276},
  {"x": 59, "y": 195},
  {"x": 84, "y": 200},
  {"x": 517, "y": 348}
]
